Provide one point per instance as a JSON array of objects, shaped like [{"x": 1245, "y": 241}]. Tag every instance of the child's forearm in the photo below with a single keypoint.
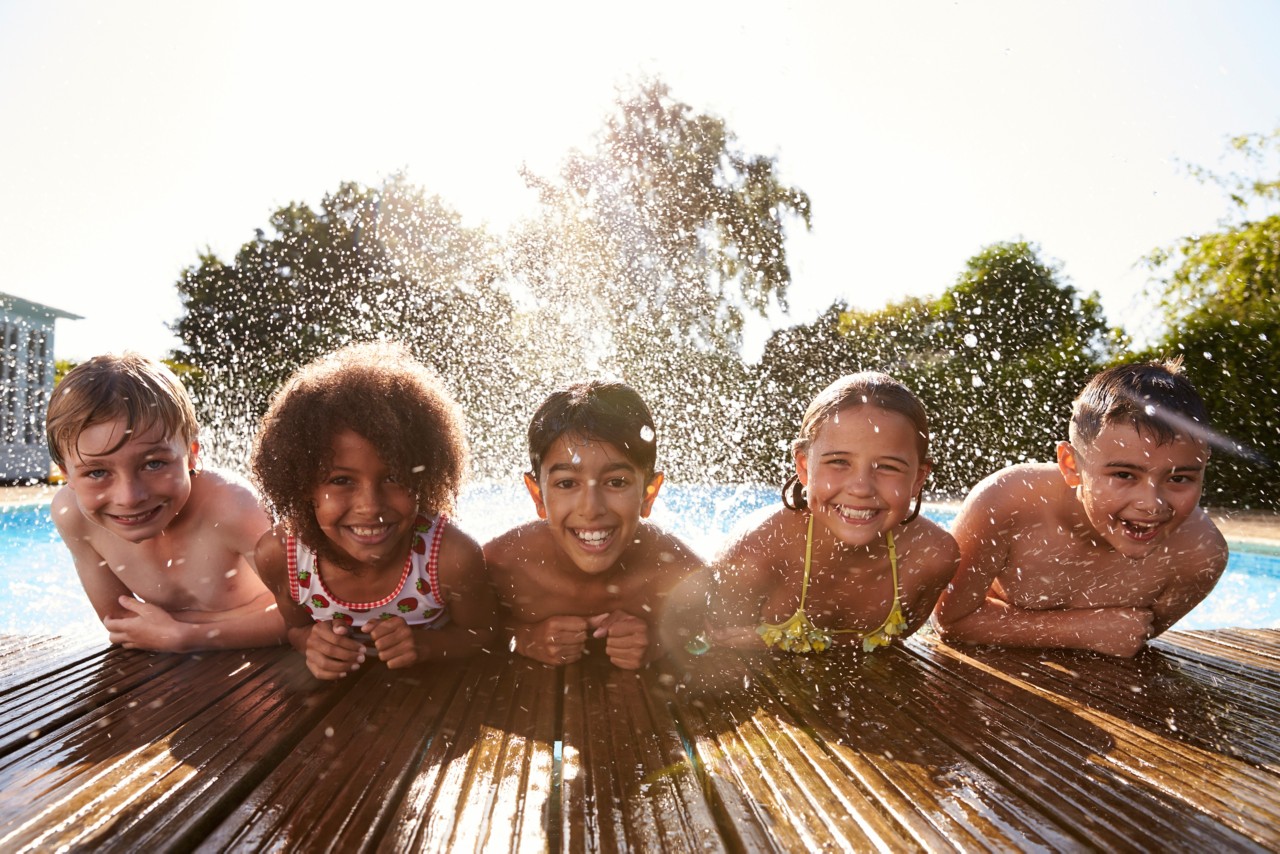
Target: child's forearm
[
  {"x": 1115, "y": 631},
  {"x": 258, "y": 624}
]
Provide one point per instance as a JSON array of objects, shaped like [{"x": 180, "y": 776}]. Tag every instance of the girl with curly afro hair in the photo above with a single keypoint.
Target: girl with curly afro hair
[{"x": 360, "y": 457}]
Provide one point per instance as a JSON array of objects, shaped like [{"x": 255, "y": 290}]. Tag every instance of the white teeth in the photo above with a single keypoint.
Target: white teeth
[
  {"x": 593, "y": 538},
  {"x": 851, "y": 513},
  {"x": 134, "y": 517},
  {"x": 368, "y": 532}
]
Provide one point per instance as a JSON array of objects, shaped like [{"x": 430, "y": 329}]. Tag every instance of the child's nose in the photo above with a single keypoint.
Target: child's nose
[
  {"x": 590, "y": 500},
  {"x": 860, "y": 481},
  {"x": 1151, "y": 499},
  {"x": 369, "y": 497},
  {"x": 129, "y": 490}
]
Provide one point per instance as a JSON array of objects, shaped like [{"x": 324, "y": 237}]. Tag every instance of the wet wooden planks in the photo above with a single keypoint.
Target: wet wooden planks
[{"x": 924, "y": 747}]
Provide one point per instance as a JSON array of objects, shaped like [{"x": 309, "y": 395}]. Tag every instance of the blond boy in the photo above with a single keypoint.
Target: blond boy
[
  {"x": 1109, "y": 547},
  {"x": 163, "y": 549}
]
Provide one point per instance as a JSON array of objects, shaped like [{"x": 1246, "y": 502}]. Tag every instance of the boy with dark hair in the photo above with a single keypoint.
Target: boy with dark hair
[
  {"x": 163, "y": 547},
  {"x": 591, "y": 566},
  {"x": 1109, "y": 547}
]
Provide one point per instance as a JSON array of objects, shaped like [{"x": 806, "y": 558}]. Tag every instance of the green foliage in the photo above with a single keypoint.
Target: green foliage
[
  {"x": 1012, "y": 344},
  {"x": 386, "y": 263},
  {"x": 661, "y": 236},
  {"x": 996, "y": 360},
  {"x": 62, "y": 367},
  {"x": 1219, "y": 292},
  {"x": 643, "y": 260}
]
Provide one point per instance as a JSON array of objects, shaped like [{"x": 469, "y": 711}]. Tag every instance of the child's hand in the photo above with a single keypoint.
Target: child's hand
[
  {"x": 554, "y": 641},
  {"x": 394, "y": 641},
  {"x": 146, "y": 627},
  {"x": 627, "y": 636},
  {"x": 331, "y": 653},
  {"x": 1125, "y": 632}
]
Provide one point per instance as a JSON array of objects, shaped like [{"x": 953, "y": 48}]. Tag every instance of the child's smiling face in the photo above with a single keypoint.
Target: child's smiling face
[
  {"x": 1134, "y": 490},
  {"x": 361, "y": 507},
  {"x": 137, "y": 490},
  {"x": 861, "y": 472},
  {"x": 592, "y": 498}
]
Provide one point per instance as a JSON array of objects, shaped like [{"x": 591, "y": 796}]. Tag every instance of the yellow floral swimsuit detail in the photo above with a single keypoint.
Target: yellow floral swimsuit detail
[{"x": 799, "y": 634}]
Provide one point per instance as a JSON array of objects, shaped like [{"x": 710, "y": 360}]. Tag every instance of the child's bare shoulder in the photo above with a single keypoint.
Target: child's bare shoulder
[
  {"x": 1013, "y": 496},
  {"x": 1199, "y": 537},
  {"x": 931, "y": 544},
  {"x": 766, "y": 533},
  {"x": 666, "y": 549},
  {"x": 456, "y": 545},
  {"x": 225, "y": 501},
  {"x": 513, "y": 549},
  {"x": 66, "y": 514}
]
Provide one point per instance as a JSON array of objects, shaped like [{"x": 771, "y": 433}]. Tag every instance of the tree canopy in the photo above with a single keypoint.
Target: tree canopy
[
  {"x": 389, "y": 262},
  {"x": 1219, "y": 293},
  {"x": 643, "y": 260}
]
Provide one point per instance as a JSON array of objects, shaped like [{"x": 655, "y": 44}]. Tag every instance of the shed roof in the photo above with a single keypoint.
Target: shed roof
[{"x": 8, "y": 302}]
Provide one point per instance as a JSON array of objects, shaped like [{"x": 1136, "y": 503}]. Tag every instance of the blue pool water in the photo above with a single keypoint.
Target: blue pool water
[{"x": 40, "y": 594}]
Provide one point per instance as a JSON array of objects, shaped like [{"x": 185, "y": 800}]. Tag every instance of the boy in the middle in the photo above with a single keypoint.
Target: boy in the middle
[{"x": 591, "y": 566}]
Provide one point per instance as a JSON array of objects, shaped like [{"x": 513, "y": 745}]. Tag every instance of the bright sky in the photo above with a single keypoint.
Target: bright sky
[{"x": 138, "y": 133}]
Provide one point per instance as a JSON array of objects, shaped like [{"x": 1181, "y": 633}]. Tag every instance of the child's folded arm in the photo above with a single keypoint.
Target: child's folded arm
[
  {"x": 255, "y": 623},
  {"x": 982, "y": 531},
  {"x": 100, "y": 583},
  {"x": 556, "y": 640},
  {"x": 1113, "y": 631},
  {"x": 627, "y": 639},
  {"x": 1198, "y": 571},
  {"x": 740, "y": 582}
]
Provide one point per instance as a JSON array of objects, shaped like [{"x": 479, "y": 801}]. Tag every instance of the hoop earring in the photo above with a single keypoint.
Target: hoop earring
[
  {"x": 793, "y": 494},
  {"x": 915, "y": 512}
]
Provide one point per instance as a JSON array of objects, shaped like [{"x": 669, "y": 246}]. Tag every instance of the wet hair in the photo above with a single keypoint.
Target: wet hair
[
  {"x": 129, "y": 387},
  {"x": 852, "y": 390},
  {"x": 1155, "y": 397},
  {"x": 610, "y": 412},
  {"x": 379, "y": 391}
]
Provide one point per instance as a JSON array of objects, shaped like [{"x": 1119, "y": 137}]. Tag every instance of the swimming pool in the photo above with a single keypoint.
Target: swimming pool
[{"x": 40, "y": 594}]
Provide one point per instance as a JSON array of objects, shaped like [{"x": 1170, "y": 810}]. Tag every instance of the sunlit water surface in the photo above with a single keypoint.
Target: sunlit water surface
[{"x": 40, "y": 594}]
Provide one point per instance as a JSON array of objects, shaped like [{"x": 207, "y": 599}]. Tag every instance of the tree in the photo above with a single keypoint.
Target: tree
[
  {"x": 996, "y": 360},
  {"x": 666, "y": 222},
  {"x": 646, "y": 254},
  {"x": 1219, "y": 294},
  {"x": 1013, "y": 342},
  {"x": 389, "y": 262}
]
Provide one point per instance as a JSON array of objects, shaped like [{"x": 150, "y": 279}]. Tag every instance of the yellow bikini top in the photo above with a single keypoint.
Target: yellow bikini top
[{"x": 799, "y": 634}]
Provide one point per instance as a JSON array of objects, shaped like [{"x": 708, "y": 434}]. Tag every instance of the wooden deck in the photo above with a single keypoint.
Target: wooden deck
[{"x": 919, "y": 748}]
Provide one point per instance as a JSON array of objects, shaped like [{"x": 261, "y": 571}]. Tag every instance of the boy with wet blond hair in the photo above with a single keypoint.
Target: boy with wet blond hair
[
  {"x": 163, "y": 548},
  {"x": 1108, "y": 547}
]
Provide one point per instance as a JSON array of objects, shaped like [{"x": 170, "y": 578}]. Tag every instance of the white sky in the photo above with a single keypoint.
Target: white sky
[{"x": 136, "y": 134}]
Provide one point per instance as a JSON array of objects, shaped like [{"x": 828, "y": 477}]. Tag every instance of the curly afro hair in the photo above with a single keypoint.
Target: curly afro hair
[{"x": 379, "y": 391}]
